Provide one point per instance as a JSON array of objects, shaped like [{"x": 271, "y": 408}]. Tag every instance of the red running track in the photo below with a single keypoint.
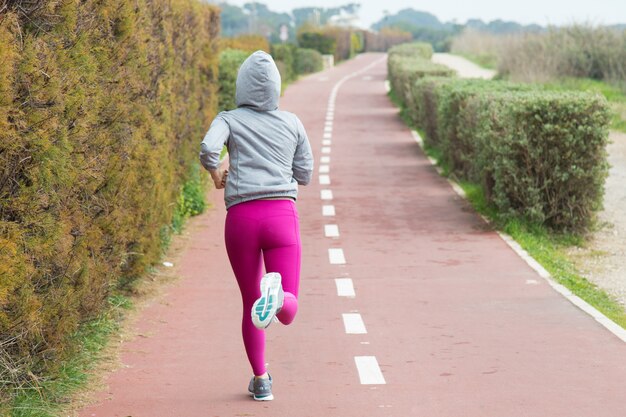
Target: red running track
[{"x": 450, "y": 318}]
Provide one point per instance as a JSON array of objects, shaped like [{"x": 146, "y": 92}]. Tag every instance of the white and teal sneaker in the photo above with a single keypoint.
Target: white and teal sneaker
[
  {"x": 271, "y": 301},
  {"x": 261, "y": 389}
]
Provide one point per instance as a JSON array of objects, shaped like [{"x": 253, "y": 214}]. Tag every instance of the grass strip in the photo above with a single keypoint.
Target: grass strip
[{"x": 51, "y": 395}]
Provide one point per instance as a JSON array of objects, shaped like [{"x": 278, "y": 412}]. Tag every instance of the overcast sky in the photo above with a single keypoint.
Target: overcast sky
[{"x": 543, "y": 12}]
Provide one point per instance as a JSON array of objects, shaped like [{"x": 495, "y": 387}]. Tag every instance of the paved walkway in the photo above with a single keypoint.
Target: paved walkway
[
  {"x": 463, "y": 67},
  {"x": 446, "y": 320}
]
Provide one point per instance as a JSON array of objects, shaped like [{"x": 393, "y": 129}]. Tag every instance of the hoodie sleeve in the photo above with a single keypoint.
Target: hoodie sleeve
[
  {"x": 303, "y": 159},
  {"x": 213, "y": 142}
]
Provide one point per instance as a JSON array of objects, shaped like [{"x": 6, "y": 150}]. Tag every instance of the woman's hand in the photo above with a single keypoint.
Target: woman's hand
[{"x": 219, "y": 177}]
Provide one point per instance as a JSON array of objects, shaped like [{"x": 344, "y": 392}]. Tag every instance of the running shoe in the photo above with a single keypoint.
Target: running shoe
[
  {"x": 271, "y": 301},
  {"x": 261, "y": 388}
]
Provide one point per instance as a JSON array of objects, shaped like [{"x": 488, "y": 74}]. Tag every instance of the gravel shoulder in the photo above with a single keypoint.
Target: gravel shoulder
[
  {"x": 463, "y": 67},
  {"x": 603, "y": 260}
]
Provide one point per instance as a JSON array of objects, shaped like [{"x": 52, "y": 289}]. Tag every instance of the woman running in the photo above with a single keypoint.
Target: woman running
[{"x": 269, "y": 155}]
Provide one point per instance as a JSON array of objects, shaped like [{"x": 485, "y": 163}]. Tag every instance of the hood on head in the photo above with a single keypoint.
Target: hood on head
[{"x": 258, "y": 83}]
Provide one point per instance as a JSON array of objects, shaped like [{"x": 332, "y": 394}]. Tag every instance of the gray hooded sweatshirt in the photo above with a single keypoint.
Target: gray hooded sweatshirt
[{"x": 269, "y": 152}]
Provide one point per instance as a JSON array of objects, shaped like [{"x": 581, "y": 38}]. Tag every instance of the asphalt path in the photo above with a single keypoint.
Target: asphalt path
[{"x": 409, "y": 304}]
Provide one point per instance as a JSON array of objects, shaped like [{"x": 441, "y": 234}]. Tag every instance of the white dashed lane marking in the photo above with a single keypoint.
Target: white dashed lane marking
[
  {"x": 328, "y": 211},
  {"x": 367, "y": 366},
  {"x": 369, "y": 371},
  {"x": 345, "y": 288},
  {"x": 326, "y": 194},
  {"x": 331, "y": 230},
  {"x": 336, "y": 256},
  {"x": 353, "y": 323}
]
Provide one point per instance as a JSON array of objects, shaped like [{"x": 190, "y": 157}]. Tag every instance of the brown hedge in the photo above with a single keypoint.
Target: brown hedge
[
  {"x": 102, "y": 104},
  {"x": 247, "y": 43}
]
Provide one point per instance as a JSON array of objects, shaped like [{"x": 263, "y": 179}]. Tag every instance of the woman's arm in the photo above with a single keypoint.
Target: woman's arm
[
  {"x": 303, "y": 159},
  {"x": 219, "y": 177},
  {"x": 211, "y": 148}
]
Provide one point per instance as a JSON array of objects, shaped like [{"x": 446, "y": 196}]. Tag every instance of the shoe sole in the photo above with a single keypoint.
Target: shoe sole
[
  {"x": 264, "y": 308},
  {"x": 266, "y": 398}
]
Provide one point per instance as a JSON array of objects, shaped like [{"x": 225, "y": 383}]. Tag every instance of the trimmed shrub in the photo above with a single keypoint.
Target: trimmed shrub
[
  {"x": 284, "y": 56},
  {"x": 102, "y": 105},
  {"x": 323, "y": 43},
  {"x": 342, "y": 43},
  {"x": 292, "y": 61},
  {"x": 457, "y": 144},
  {"x": 357, "y": 43},
  {"x": 229, "y": 62},
  {"x": 248, "y": 43},
  {"x": 413, "y": 50},
  {"x": 424, "y": 110},
  {"x": 308, "y": 61},
  {"x": 404, "y": 71},
  {"x": 407, "y": 63},
  {"x": 384, "y": 39},
  {"x": 542, "y": 154},
  {"x": 539, "y": 155}
]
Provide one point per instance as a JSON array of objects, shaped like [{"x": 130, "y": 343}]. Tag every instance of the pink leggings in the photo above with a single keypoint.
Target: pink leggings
[{"x": 263, "y": 231}]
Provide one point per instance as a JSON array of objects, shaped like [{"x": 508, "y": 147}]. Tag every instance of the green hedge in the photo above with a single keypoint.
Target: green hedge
[
  {"x": 458, "y": 145},
  {"x": 424, "y": 110},
  {"x": 323, "y": 43},
  {"x": 542, "y": 154},
  {"x": 413, "y": 50},
  {"x": 229, "y": 62},
  {"x": 284, "y": 55},
  {"x": 102, "y": 105},
  {"x": 293, "y": 61},
  {"x": 539, "y": 155},
  {"x": 406, "y": 64},
  {"x": 404, "y": 71},
  {"x": 308, "y": 61}
]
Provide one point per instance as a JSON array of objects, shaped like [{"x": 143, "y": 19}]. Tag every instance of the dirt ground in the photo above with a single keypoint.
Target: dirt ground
[
  {"x": 603, "y": 260},
  {"x": 464, "y": 68}
]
